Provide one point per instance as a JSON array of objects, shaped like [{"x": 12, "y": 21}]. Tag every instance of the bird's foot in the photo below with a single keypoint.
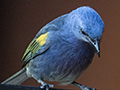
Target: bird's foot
[
  {"x": 82, "y": 86},
  {"x": 87, "y": 88},
  {"x": 46, "y": 86}
]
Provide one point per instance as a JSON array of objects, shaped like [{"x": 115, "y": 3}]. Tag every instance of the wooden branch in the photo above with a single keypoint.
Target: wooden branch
[{"x": 19, "y": 87}]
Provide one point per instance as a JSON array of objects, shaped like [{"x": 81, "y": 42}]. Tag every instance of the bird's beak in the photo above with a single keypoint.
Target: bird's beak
[{"x": 97, "y": 47}]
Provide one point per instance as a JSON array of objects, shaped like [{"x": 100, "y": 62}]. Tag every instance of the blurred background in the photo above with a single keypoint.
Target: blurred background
[{"x": 20, "y": 20}]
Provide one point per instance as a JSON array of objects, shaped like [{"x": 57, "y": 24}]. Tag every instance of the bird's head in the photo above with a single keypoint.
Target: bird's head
[{"x": 87, "y": 26}]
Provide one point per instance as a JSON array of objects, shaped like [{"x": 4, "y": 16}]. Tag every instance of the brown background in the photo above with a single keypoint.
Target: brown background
[{"x": 20, "y": 20}]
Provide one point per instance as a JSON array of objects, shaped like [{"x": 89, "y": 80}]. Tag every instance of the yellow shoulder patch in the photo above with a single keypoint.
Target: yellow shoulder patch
[
  {"x": 34, "y": 46},
  {"x": 42, "y": 39}
]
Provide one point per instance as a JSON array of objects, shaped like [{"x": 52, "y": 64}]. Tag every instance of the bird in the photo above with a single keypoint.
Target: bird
[{"x": 62, "y": 50}]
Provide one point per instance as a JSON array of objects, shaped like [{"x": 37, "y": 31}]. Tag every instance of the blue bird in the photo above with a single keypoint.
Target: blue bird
[{"x": 62, "y": 50}]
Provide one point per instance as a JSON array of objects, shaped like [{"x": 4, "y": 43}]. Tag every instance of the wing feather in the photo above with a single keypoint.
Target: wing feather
[{"x": 41, "y": 42}]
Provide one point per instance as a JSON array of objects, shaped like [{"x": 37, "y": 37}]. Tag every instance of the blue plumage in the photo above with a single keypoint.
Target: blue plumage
[
  {"x": 68, "y": 55},
  {"x": 68, "y": 46}
]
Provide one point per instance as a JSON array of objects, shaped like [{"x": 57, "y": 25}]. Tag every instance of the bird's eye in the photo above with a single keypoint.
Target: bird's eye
[{"x": 84, "y": 32}]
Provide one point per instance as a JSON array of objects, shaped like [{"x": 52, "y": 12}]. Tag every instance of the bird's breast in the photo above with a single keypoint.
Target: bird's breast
[
  {"x": 62, "y": 62},
  {"x": 68, "y": 61}
]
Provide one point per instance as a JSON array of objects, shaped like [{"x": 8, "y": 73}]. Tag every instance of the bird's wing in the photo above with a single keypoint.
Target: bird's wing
[{"x": 41, "y": 42}]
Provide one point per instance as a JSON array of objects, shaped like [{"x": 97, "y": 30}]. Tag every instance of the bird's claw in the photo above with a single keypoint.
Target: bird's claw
[
  {"x": 82, "y": 86},
  {"x": 46, "y": 86},
  {"x": 88, "y": 88}
]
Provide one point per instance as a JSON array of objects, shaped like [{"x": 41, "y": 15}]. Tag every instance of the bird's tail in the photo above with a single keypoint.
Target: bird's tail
[{"x": 17, "y": 78}]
